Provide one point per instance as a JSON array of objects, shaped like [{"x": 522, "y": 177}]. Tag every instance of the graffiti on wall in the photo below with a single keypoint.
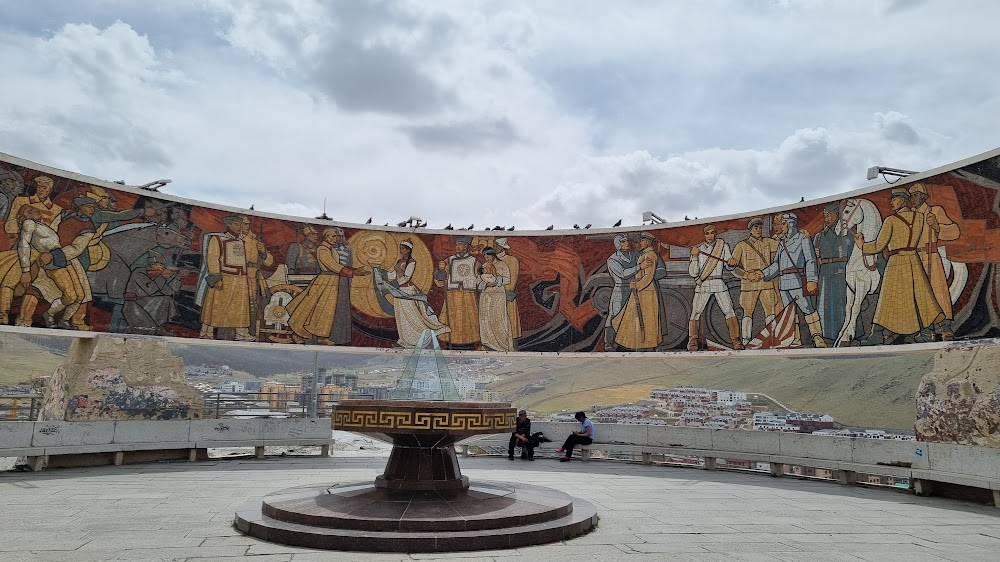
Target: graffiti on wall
[{"x": 913, "y": 262}]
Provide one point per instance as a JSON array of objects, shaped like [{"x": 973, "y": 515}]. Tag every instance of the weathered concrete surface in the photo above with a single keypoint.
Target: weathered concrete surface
[
  {"x": 117, "y": 378},
  {"x": 959, "y": 401},
  {"x": 184, "y": 512}
]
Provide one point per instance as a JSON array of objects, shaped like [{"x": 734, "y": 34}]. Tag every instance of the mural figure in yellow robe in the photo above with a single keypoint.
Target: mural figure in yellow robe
[
  {"x": 637, "y": 326},
  {"x": 312, "y": 313},
  {"x": 938, "y": 227},
  {"x": 906, "y": 303},
  {"x": 51, "y": 213},
  {"x": 510, "y": 285},
  {"x": 224, "y": 288},
  {"x": 458, "y": 275},
  {"x": 494, "y": 324}
]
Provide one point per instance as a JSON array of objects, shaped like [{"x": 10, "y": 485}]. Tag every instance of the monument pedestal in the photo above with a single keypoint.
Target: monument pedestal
[{"x": 421, "y": 503}]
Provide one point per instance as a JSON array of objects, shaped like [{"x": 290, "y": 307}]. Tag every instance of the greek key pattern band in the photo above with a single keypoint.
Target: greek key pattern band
[{"x": 454, "y": 421}]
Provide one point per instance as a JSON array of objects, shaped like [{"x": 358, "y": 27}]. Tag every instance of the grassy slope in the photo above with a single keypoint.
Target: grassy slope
[
  {"x": 870, "y": 391},
  {"x": 22, "y": 360}
]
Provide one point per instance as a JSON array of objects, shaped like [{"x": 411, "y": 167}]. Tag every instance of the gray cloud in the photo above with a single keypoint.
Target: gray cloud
[
  {"x": 363, "y": 56},
  {"x": 379, "y": 79},
  {"x": 463, "y": 137}
]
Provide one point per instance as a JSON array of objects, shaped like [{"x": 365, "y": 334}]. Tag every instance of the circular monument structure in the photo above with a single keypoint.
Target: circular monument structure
[{"x": 421, "y": 503}]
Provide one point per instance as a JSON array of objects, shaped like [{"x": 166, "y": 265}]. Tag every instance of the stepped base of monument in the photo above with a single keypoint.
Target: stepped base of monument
[{"x": 363, "y": 517}]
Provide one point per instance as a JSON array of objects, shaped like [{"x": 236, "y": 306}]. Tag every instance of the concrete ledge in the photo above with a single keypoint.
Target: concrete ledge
[
  {"x": 27, "y": 452},
  {"x": 87, "y": 443},
  {"x": 15, "y": 434},
  {"x": 917, "y": 461}
]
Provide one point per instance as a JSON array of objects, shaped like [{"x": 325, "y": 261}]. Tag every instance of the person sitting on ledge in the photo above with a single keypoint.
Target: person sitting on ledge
[
  {"x": 583, "y": 437},
  {"x": 522, "y": 436}
]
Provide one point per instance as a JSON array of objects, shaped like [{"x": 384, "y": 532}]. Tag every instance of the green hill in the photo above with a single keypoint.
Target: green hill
[
  {"x": 22, "y": 359},
  {"x": 857, "y": 390}
]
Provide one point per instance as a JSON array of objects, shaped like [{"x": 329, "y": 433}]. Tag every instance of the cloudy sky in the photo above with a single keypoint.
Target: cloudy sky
[{"x": 499, "y": 112}]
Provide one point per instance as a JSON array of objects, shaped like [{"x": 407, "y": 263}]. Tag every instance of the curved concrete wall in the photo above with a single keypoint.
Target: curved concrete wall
[{"x": 150, "y": 263}]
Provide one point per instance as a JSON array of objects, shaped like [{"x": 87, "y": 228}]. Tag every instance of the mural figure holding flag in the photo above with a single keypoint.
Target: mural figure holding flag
[{"x": 795, "y": 258}]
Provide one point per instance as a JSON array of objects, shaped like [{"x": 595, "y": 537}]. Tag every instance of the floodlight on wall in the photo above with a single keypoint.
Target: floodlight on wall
[
  {"x": 652, "y": 218},
  {"x": 875, "y": 171},
  {"x": 154, "y": 185}
]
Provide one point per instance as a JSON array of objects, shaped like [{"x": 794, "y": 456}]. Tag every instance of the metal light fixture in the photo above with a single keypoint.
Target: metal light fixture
[
  {"x": 875, "y": 171},
  {"x": 154, "y": 185},
  {"x": 652, "y": 218}
]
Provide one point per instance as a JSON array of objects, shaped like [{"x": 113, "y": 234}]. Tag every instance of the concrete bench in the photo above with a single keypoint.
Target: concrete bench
[
  {"x": 120, "y": 441},
  {"x": 922, "y": 464}
]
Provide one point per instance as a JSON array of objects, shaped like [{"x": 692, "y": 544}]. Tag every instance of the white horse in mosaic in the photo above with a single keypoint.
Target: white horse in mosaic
[{"x": 863, "y": 277}]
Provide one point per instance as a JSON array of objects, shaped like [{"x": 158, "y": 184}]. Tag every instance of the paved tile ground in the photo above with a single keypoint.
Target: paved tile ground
[{"x": 184, "y": 511}]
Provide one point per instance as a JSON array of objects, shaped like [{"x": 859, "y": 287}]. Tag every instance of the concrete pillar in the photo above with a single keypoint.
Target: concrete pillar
[
  {"x": 463, "y": 450},
  {"x": 923, "y": 487},
  {"x": 996, "y": 498},
  {"x": 709, "y": 463},
  {"x": 37, "y": 463},
  {"x": 848, "y": 477},
  {"x": 192, "y": 455},
  {"x": 584, "y": 454},
  {"x": 777, "y": 469},
  {"x": 324, "y": 451},
  {"x": 118, "y": 458},
  {"x": 647, "y": 458},
  {"x": 81, "y": 350},
  {"x": 258, "y": 452}
]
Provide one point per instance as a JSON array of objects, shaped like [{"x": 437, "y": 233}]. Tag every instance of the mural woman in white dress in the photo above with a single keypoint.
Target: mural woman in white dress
[
  {"x": 494, "y": 323},
  {"x": 413, "y": 313}
]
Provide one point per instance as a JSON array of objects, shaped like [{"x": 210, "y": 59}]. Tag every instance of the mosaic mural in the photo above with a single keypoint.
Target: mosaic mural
[{"x": 912, "y": 262}]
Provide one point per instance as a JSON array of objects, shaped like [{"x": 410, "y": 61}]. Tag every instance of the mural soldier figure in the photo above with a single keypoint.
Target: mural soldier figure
[
  {"x": 458, "y": 274},
  {"x": 906, "y": 303},
  {"x": 149, "y": 296},
  {"x": 494, "y": 324},
  {"x": 21, "y": 266},
  {"x": 795, "y": 258},
  {"x": 622, "y": 268},
  {"x": 343, "y": 331},
  {"x": 257, "y": 258},
  {"x": 11, "y": 186},
  {"x": 62, "y": 279},
  {"x": 107, "y": 208},
  {"x": 754, "y": 253},
  {"x": 637, "y": 325},
  {"x": 39, "y": 199},
  {"x": 301, "y": 256},
  {"x": 938, "y": 227},
  {"x": 224, "y": 289},
  {"x": 833, "y": 251},
  {"x": 313, "y": 312},
  {"x": 510, "y": 286},
  {"x": 707, "y": 262}
]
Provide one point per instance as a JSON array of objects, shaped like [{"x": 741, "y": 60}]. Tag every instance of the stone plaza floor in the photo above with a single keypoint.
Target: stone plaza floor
[{"x": 184, "y": 511}]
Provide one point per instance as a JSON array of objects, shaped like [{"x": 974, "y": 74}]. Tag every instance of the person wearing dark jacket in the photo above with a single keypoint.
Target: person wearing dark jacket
[{"x": 522, "y": 437}]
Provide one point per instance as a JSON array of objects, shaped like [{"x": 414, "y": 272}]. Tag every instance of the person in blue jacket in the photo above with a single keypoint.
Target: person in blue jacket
[{"x": 585, "y": 436}]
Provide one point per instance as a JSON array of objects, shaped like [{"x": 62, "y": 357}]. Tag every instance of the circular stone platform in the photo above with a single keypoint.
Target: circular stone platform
[
  {"x": 421, "y": 503},
  {"x": 365, "y": 517}
]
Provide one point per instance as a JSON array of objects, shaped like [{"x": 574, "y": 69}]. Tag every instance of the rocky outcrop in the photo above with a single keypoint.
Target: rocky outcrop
[
  {"x": 959, "y": 401},
  {"x": 116, "y": 378}
]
